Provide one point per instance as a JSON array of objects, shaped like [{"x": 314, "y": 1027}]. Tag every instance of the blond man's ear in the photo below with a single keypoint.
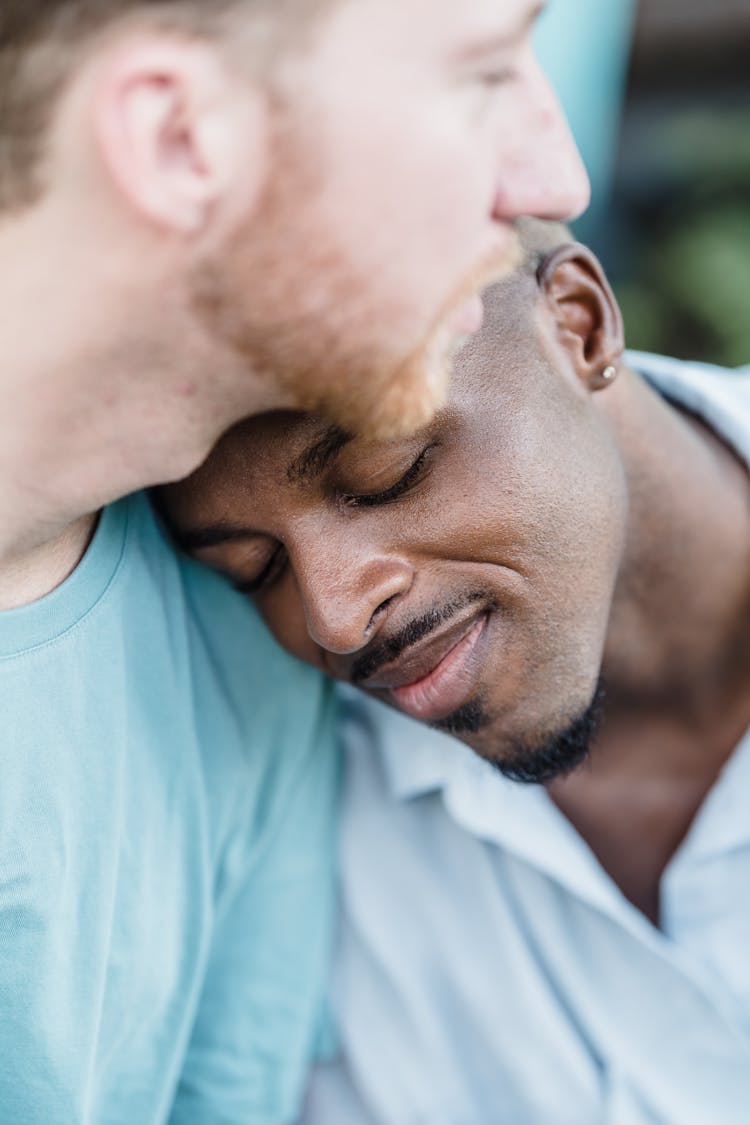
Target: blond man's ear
[{"x": 183, "y": 140}]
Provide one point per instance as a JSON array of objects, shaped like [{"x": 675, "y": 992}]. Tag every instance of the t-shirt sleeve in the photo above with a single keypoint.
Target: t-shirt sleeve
[{"x": 263, "y": 993}]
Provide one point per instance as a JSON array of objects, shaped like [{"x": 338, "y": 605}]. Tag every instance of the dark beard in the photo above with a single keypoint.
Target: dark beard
[
  {"x": 541, "y": 762},
  {"x": 465, "y": 720},
  {"x": 558, "y": 754}
]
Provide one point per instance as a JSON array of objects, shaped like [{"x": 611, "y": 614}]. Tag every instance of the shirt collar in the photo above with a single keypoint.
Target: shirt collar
[
  {"x": 720, "y": 396},
  {"x": 418, "y": 761},
  {"x": 521, "y": 818}
]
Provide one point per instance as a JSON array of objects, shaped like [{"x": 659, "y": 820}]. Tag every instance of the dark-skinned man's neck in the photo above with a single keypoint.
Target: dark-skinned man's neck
[
  {"x": 680, "y": 620},
  {"x": 677, "y": 661}
]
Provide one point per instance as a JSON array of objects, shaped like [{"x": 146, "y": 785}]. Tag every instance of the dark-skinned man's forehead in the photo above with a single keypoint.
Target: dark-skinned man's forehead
[
  {"x": 318, "y": 455},
  {"x": 288, "y": 448},
  {"x": 301, "y": 447}
]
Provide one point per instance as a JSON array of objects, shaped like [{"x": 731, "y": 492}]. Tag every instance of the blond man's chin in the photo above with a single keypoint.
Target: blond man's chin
[
  {"x": 418, "y": 388},
  {"x": 373, "y": 404},
  {"x": 385, "y": 400},
  {"x": 402, "y": 404}
]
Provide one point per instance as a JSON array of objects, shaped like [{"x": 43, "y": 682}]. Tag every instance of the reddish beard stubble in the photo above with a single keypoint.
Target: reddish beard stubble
[{"x": 284, "y": 297}]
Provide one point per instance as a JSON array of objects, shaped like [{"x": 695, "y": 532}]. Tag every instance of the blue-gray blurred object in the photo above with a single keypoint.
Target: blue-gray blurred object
[
  {"x": 669, "y": 162},
  {"x": 584, "y": 46},
  {"x": 678, "y": 245}
]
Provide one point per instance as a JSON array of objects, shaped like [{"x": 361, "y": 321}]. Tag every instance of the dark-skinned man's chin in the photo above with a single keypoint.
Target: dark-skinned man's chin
[{"x": 532, "y": 761}]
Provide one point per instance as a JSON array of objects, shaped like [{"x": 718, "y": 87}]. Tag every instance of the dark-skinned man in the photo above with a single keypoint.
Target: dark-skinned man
[
  {"x": 208, "y": 208},
  {"x": 557, "y": 572}
]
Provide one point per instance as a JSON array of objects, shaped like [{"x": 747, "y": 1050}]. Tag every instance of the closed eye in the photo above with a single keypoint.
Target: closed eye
[
  {"x": 412, "y": 476},
  {"x": 270, "y": 572},
  {"x": 499, "y": 76}
]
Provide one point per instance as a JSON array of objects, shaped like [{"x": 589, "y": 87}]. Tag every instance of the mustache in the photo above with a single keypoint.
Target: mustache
[{"x": 386, "y": 651}]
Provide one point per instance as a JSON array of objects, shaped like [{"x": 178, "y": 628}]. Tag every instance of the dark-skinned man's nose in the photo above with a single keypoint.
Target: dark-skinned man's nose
[{"x": 346, "y": 593}]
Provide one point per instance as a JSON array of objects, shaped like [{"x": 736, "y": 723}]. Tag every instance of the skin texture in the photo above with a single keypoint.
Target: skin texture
[
  {"x": 361, "y": 330},
  {"x": 305, "y": 238},
  {"x": 553, "y": 525},
  {"x": 487, "y": 529}
]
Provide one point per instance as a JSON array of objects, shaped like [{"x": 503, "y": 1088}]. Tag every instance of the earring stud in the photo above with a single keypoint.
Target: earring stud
[{"x": 609, "y": 373}]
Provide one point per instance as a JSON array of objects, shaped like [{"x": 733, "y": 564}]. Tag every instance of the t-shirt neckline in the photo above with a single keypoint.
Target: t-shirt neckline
[{"x": 47, "y": 619}]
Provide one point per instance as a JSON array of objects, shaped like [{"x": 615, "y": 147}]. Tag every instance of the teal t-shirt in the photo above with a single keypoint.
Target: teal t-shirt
[{"x": 168, "y": 787}]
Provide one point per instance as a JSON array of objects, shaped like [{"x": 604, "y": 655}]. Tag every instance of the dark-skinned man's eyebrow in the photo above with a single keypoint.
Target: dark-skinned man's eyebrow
[
  {"x": 212, "y": 535},
  {"x": 318, "y": 456}
]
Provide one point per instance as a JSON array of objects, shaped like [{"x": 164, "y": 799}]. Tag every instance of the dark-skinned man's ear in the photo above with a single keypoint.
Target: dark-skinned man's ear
[{"x": 585, "y": 316}]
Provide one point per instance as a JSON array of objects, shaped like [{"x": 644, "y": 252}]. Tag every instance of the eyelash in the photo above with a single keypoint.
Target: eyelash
[
  {"x": 499, "y": 77},
  {"x": 270, "y": 572},
  {"x": 411, "y": 477},
  {"x": 275, "y": 565}
]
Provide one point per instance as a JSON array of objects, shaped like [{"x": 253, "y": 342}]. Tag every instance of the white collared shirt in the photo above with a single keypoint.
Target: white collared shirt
[{"x": 490, "y": 972}]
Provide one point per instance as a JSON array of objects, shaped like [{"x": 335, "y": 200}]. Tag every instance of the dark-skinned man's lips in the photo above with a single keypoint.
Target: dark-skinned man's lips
[{"x": 433, "y": 679}]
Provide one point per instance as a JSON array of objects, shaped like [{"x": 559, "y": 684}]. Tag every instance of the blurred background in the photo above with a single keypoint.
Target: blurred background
[{"x": 658, "y": 95}]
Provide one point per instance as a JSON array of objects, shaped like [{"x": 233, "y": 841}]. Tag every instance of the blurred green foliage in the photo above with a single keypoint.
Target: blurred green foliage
[{"x": 688, "y": 287}]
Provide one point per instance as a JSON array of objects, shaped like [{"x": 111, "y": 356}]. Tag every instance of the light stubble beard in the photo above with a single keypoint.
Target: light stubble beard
[{"x": 292, "y": 309}]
